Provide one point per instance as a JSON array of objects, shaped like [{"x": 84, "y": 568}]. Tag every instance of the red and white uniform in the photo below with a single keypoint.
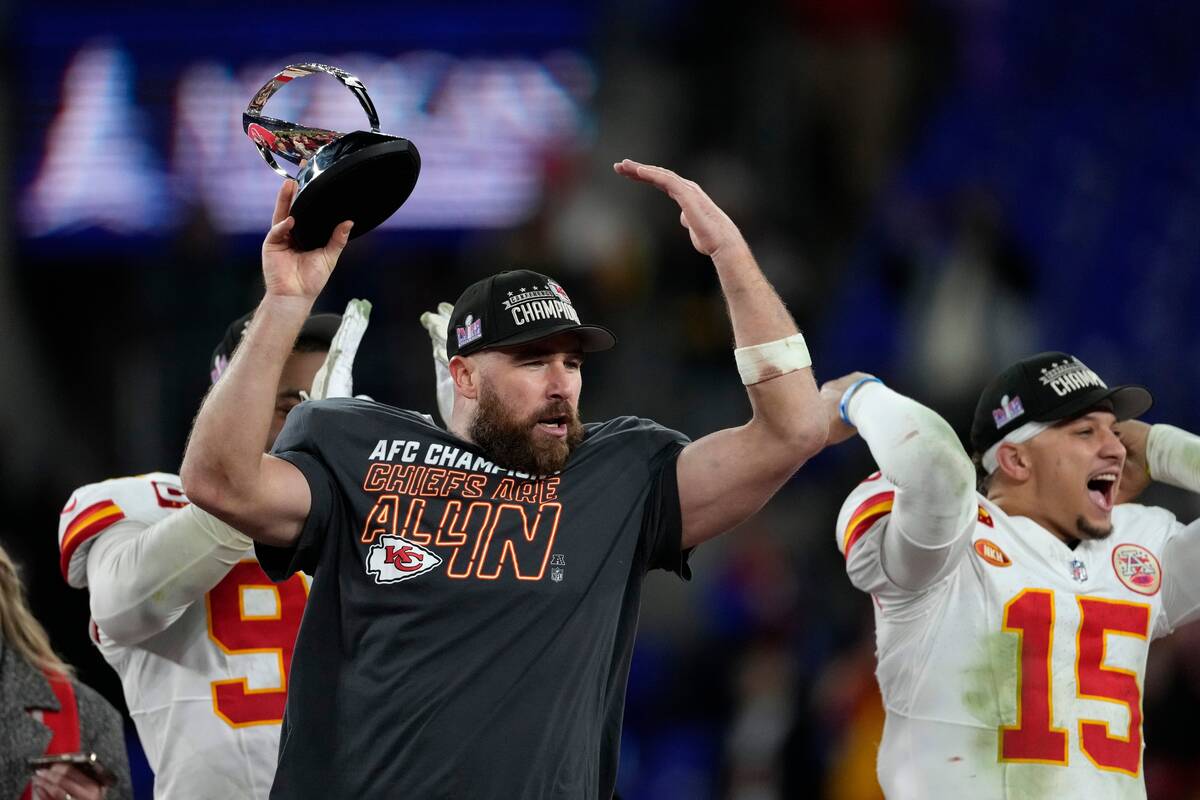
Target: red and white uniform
[
  {"x": 201, "y": 638},
  {"x": 1011, "y": 665}
]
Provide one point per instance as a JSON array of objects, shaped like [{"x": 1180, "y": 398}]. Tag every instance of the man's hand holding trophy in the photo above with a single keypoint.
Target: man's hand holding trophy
[{"x": 362, "y": 176}]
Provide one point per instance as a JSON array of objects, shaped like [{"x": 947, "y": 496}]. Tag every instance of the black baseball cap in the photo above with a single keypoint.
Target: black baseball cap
[
  {"x": 517, "y": 307},
  {"x": 318, "y": 328},
  {"x": 1048, "y": 387}
]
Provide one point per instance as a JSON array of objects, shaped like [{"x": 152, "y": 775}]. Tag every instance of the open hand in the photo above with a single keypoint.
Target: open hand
[
  {"x": 288, "y": 272},
  {"x": 713, "y": 232},
  {"x": 437, "y": 324}
]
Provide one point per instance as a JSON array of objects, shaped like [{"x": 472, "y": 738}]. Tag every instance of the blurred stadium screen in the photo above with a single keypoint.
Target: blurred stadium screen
[{"x": 136, "y": 138}]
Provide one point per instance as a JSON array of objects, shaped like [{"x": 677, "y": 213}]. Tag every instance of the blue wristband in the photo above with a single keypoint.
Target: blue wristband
[{"x": 844, "y": 406}]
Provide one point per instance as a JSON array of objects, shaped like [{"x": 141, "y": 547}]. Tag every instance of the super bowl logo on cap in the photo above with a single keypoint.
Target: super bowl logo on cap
[
  {"x": 1070, "y": 376},
  {"x": 1008, "y": 411},
  {"x": 469, "y": 331},
  {"x": 1137, "y": 568}
]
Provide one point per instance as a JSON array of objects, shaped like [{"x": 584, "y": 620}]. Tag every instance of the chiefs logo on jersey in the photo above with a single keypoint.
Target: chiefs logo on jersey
[
  {"x": 393, "y": 559},
  {"x": 1137, "y": 568}
]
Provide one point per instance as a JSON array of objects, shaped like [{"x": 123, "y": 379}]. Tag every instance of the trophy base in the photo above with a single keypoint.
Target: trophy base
[{"x": 363, "y": 176}]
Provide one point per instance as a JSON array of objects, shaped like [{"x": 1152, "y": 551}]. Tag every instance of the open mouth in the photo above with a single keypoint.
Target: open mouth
[
  {"x": 1102, "y": 488},
  {"x": 554, "y": 425}
]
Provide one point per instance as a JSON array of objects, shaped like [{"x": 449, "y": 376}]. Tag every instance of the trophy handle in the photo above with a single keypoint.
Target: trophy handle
[{"x": 286, "y": 139}]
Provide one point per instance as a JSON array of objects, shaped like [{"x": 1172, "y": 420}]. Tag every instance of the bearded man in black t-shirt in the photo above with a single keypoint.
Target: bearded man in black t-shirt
[{"x": 476, "y": 589}]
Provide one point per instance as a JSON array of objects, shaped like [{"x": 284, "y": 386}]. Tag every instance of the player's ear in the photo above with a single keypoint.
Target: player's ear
[
  {"x": 1013, "y": 461},
  {"x": 465, "y": 374}
]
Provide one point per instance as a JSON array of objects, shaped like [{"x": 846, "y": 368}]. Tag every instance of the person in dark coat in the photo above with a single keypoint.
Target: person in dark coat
[{"x": 44, "y": 710}]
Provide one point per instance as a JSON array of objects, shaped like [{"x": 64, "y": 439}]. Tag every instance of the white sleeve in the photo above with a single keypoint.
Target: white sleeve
[
  {"x": 1173, "y": 456},
  {"x": 1181, "y": 575},
  {"x": 143, "y": 577},
  {"x": 935, "y": 505}
]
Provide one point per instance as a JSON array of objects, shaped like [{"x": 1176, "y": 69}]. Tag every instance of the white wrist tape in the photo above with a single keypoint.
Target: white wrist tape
[
  {"x": 762, "y": 362},
  {"x": 1015, "y": 436},
  {"x": 1173, "y": 456}
]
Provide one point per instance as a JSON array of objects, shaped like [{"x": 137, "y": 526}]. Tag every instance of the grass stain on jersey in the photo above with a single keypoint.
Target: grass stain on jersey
[
  {"x": 991, "y": 697},
  {"x": 991, "y": 682}
]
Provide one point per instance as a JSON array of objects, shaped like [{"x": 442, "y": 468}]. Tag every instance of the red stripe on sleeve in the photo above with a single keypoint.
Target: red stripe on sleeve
[
  {"x": 76, "y": 536},
  {"x": 863, "y": 518}
]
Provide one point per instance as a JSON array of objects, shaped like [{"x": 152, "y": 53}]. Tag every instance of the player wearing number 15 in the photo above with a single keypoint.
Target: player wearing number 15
[
  {"x": 1013, "y": 624},
  {"x": 201, "y": 638}
]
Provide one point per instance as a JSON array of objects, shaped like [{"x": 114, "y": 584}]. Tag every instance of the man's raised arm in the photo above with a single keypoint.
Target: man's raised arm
[
  {"x": 1168, "y": 455},
  {"x": 224, "y": 469},
  {"x": 917, "y": 452},
  {"x": 728, "y": 475}
]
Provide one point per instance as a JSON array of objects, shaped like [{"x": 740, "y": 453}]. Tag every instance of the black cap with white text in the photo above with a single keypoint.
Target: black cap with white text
[
  {"x": 517, "y": 307},
  {"x": 1048, "y": 387}
]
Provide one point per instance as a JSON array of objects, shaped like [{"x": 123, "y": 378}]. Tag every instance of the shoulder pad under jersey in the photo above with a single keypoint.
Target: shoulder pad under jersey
[
  {"x": 93, "y": 508},
  {"x": 866, "y": 504}
]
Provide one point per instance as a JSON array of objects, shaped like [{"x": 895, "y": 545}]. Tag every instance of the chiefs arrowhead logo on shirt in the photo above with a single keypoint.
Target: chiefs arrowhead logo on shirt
[{"x": 393, "y": 559}]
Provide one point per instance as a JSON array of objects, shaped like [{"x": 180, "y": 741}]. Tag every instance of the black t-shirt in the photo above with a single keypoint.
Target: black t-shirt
[{"x": 469, "y": 629}]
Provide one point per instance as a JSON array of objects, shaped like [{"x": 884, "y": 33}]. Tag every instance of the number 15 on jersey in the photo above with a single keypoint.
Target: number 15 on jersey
[{"x": 1034, "y": 738}]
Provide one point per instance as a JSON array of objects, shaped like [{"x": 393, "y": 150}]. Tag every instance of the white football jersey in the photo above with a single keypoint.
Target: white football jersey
[
  {"x": 1019, "y": 672},
  {"x": 207, "y": 692}
]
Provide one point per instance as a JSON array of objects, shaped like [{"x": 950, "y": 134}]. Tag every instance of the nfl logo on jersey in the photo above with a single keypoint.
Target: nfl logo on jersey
[{"x": 1079, "y": 570}]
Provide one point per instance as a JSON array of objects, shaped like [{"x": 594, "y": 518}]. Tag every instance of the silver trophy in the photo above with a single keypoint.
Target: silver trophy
[{"x": 362, "y": 176}]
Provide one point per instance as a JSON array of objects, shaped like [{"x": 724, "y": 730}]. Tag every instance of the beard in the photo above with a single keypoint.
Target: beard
[
  {"x": 1087, "y": 530},
  {"x": 510, "y": 441}
]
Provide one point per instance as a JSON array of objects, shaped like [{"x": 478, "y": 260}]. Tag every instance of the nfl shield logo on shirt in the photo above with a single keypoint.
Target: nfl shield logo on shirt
[
  {"x": 1079, "y": 570},
  {"x": 394, "y": 559}
]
